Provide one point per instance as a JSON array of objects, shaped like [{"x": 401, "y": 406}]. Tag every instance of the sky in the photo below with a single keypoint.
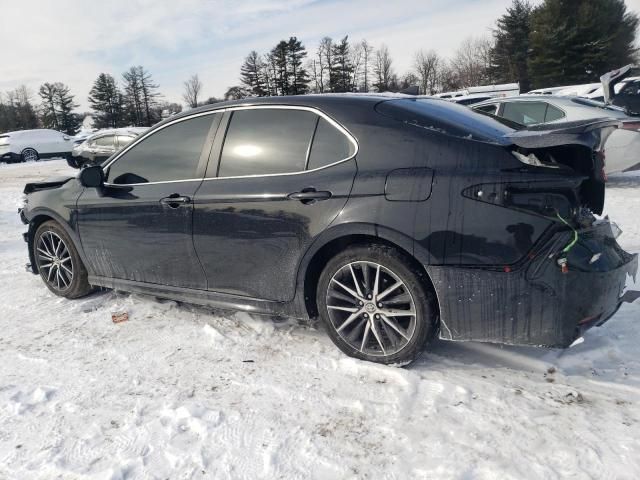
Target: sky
[{"x": 72, "y": 41}]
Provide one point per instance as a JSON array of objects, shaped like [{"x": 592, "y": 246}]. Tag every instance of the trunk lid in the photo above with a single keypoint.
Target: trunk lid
[{"x": 573, "y": 150}]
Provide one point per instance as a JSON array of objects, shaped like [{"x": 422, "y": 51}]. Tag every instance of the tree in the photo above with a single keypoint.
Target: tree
[
  {"x": 48, "y": 108},
  {"x": 140, "y": 97},
  {"x": 69, "y": 121},
  {"x": 17, "y": 111},
  {"x": 510, "y": 53},
  {"x": 426, "y": 65},
  {"x": 471, "y": 62},
  {"x": 367, "y": 52},
  {"x": 57, "y": 108},
  {"x": 342, "y": 68},
  {"x": 322, "y": 64},
  {"x": 106, "y": 101},
  {"x": 383, "y": 69},
  {"x": 192, "y": 88},
  {"x": 299, "y": 78},
  {"x": 253, "y": 74},
  {"x": 236, "y": 93},
  {"x": 575, "y": 41}
]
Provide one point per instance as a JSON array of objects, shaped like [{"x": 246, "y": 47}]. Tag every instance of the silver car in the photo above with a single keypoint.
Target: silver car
[
  {"x": 101, "y": 145},
  {"x": 622, "y": 147}
]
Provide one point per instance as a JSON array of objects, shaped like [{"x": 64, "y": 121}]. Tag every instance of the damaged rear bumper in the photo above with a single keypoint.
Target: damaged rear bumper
[{"x": 538, "y": 302}]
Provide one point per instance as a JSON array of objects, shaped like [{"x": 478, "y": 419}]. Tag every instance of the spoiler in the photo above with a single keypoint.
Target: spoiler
[{"x": 589, "y": 133}]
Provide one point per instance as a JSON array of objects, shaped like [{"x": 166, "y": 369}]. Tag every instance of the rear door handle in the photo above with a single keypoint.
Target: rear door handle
[
  {"x": 175, "y": 200},
  {"x": 309, "y": 195}
]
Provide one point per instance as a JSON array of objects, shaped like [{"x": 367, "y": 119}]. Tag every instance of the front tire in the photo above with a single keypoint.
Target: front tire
[
  {"x": 58, "y": 262},
  {"x": 30, "y": 155},
  {"x": 376, "y": 305}
]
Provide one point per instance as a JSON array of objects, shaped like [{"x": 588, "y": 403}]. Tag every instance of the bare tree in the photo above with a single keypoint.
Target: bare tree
[
  {"x": 192, "y": 89},
  {"x": 472, "y": 61},
  {"x": 367, "y": 52},
  {"x": 383, "y": 69},
  {"x": 426, "y": 65}
]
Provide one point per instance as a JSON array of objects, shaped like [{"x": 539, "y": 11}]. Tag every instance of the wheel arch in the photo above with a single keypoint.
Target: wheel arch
[
  {"x": 343, "y": 238},
  {"x": 38, "y": 218}
]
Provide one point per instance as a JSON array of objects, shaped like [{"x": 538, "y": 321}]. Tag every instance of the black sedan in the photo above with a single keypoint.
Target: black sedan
[{"x": 392, "y": 219}]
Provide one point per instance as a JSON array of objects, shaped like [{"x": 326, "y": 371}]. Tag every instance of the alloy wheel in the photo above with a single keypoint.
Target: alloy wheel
[
  {"x": 371, "y": 308},
  {"x": 54, "y": 260}
]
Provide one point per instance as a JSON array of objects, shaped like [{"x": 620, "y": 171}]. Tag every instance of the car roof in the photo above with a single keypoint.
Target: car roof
[{"x": 33, "y": 130}]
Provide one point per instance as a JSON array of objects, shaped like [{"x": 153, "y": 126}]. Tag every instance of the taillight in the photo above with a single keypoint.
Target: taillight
[{"x": 633, "y": 126}]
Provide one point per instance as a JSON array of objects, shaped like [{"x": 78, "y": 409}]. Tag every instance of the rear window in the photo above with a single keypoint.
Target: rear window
[{"x": 448, "y": 118}]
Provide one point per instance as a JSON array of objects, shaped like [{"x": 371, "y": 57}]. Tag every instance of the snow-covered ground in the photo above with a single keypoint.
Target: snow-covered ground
[{"x": 180, "y": 391}]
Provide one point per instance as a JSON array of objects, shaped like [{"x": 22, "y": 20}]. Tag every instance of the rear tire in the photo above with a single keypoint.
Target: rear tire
[
  {"x": 30, "y": 155},
  {"x": 58, "y": 262},
  {"x": 387, "y": 321}
]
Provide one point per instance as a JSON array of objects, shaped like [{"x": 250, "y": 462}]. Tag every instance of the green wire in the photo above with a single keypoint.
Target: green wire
[{"x": 575, "y": 234}]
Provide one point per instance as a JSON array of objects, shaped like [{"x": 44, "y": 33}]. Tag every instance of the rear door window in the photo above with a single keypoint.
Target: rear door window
[
  {"x": 264, "y": 141},
  {"x": 525, "y": 113},
  {"x": 106, "y": 141},
  {"x": 553, "y": 113},
  {"x": 329, "y": 146},
  {"x": 124, "y": 140}
]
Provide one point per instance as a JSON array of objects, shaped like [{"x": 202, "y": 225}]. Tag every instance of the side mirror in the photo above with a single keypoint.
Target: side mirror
[{"x": 91, "y": 177}]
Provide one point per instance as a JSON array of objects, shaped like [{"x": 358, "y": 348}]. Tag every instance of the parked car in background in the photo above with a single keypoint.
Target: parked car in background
[
  {"x": 499, "y": 90},
  {"x": 32, "y": 145},
  {"x": 623, "y": 145},
  {"x": 568, "y": 90},
  {"x": 470, "y": 99},
  {"x": 392, "y": 219},
  {"x": 99, "y": 146}
]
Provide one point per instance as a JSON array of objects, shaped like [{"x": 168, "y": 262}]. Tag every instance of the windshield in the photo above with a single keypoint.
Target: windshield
[{"x": 448, "y": 118}]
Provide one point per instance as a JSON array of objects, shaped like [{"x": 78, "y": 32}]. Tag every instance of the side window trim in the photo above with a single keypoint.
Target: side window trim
[
  {"x": 313, "y": 136},
  {"x": 215, "y": 142},
  {"x": 216, "y": 152}
]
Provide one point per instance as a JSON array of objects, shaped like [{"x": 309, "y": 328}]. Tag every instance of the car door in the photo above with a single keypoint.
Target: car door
[
  {"x": 282, "y": 177},
  {"x": 102, "y": 148},
  {"x": 139, "y": 226}
]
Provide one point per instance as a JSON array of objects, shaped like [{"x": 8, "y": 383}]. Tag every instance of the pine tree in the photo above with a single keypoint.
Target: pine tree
[
  {"x": 298, "y": 76},
  {"x": 69, "y": 121},
  {"x": 57, "y": 108},
  {"x": 48, "y": 108},
  {"x": 576, "y": 41},
  {"x": 510, "y": 52},
  {"x": 252, "y": 74},
  {"x": 279, "y": 62},
  {"x": 342, "y": 68},
  {"x": 106, "y": 100}
]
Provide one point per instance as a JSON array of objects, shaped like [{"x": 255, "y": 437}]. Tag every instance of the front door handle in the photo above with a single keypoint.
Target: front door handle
[
  {"x": 175, "y": 200},
  {"x": 309, "y": 195}
]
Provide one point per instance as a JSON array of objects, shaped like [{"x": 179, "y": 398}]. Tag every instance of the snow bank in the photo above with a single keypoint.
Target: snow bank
[{"x": 179, "y": 391}]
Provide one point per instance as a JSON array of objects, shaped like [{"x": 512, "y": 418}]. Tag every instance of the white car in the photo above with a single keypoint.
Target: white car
[
  {"x": 623, "y": 145},
  {"x": 31, "y": 145}
]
